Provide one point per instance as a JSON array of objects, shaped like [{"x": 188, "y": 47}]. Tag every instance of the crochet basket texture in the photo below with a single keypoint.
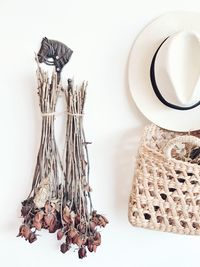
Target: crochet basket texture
[{"x": 166, "y": 191}]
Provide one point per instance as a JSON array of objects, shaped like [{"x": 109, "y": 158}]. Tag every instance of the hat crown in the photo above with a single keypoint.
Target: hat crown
[{"x": 177, "y": 69}]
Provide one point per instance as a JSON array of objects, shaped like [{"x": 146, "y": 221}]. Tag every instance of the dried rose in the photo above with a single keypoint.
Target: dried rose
[
  {"x": 27, "y": 205},
  {"x": 25, "y": 210},
  {"x": 53, "y": 226},
  {"x": 92, "y": 226},
  {"x": 82, "y": 253},
  {"x": 90, "y": 247},
  {"x": 64, "y": 247},
  {"x": 82, "y": 227},
  {"x": 72, "y": 232},
  {"x": 32, "y": 237},
  {"x": 60, "y": 234},
  {"x": 95, "y": 220},
  {"x": 24, "y": 231},
  {"x": 97, "y": 239},
  {"x": 48, "y": 219},
  {"x": 102, "y": 221}
]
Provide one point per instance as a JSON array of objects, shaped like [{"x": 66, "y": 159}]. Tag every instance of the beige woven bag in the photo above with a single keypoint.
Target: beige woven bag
[{"x": 166, "y": 187}]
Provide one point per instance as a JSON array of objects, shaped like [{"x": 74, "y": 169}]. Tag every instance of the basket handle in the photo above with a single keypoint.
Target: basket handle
[{"x": 179, "y": 140}]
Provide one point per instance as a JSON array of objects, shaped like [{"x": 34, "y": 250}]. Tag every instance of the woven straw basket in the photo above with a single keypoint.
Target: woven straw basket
[{"x": 166, "y": 191}]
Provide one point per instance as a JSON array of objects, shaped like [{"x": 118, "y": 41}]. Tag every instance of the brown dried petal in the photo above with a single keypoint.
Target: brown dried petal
[
  {"x": 69, "y": 240},
  {"x": 25, "y": 231},
  {"x": 48, "y": 219},
  {"x": 95, "y": 220},
  {"x": 82, "y": 253},
  {"x": 37, "y": 225},
  {"x": 78, "y": 240},
  {"x": 97, "y": 239},
  {"x": 82, "y": 228},
  {"x": 60, "y": 234},
  {"x": 53, "y": 226},
  {"x": 27, "y": 205},
  {"x": 32, "y": 237},
  {"x": 92, "y": 226},
  {"x": 64, "y": 247},
  {"x": 25, "y": 210},
  {"x": 102, "y": 221},
  {"x": 67, "y": 219},
  {"x": 39, "y": 216},
  {"x": 94, "y": 248},
  {"x": 72, "y": 232}
]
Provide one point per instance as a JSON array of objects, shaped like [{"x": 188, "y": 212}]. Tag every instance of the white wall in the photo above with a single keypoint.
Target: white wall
[{"x": 101, "y": 34}]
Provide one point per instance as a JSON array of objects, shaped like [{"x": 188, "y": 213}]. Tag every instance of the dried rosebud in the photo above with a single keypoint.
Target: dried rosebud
[
  {"x": 53, "y": 226},
  {"x": 64, "y": 247},
  {"x": 39, "y": 216},
  {"x": 27, "y": 205},
  {"x": 90, "y": 247},
  {"x": 95, "y": 220},
  {"x": 82, "y": 253},
  {"x": 97, "y": 239},
  {"x": 102, "y": 221},
  {"x": 72, "y": 232},
  {"x": 24, "y": 231},
  {"x": 92, "y": 226},
  {"x": 94, "y": 213},
  {"x": 48, "y": 219},
  {"x": 25, "y": 210},
  {"x": 32, "y": 237},
  {"x": 82, "y": 227},
  {"x": 60, "y": 234},
  {"x": 37, "y": 225},
  {"x": 77, "y": 219}
]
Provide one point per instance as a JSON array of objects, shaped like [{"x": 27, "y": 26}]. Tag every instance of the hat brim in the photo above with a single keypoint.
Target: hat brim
[{"x": 140, "y": 59}]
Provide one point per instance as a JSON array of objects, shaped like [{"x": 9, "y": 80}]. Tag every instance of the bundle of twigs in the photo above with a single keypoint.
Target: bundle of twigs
[
  {"x": 42, "y": 208},
  {"x": 80, "y": 220},
  {"x": 60, "y": 196}
]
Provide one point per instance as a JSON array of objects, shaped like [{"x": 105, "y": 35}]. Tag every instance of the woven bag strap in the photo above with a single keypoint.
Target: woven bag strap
[{"x": 179, "y": 140}]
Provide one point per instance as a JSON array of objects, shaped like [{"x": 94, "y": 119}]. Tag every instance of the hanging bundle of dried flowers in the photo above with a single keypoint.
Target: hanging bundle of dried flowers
[
  {"x": 42, "y": 207},
  {"x": 60, "y": 196},
  {"x": 80, "y": 221}
]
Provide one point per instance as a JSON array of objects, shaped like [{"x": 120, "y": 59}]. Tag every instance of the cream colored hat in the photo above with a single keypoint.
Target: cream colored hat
[{"x": 164, "y": 71}]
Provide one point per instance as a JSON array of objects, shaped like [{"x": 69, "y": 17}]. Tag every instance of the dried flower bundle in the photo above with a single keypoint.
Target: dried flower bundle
[
  {"x": 80, "y": 221},
  {"x": 60, "y": 196},
  {"x": 42, "y": 207}
]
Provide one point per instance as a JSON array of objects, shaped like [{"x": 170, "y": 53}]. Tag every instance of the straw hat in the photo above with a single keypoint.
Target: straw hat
[{"x": 164, "y": 71}]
